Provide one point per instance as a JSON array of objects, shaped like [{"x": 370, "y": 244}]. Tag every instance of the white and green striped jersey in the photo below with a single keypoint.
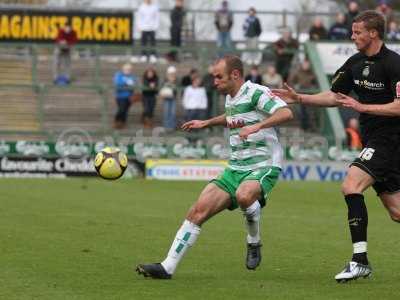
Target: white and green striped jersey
[{"x": 252, "y": 104}]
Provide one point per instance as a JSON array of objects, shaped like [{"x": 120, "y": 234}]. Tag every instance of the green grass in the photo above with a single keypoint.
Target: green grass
[{"x": 79, "y": 239}]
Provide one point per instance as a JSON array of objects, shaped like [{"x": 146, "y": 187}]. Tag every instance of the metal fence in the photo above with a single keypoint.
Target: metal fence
[{"x": 32, "y": 104}]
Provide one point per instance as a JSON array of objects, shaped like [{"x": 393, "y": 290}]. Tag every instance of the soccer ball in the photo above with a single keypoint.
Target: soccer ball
[{"x": 110, "y": 163}]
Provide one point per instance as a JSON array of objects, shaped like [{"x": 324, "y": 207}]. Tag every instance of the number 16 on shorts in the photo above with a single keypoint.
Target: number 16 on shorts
[{"x": 366, "y": 153}]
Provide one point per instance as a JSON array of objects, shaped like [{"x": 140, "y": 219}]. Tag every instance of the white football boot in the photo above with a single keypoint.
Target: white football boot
[{"x": 353, "y": 271}]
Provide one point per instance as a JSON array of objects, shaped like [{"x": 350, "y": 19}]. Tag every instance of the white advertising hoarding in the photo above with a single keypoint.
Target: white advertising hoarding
[
  {"x": 165, "y": 169},
  {"x": 334, "y": 55}
]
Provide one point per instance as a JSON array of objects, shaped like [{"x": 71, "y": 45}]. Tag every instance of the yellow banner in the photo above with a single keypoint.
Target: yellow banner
[{"x": 43, "y": 27}]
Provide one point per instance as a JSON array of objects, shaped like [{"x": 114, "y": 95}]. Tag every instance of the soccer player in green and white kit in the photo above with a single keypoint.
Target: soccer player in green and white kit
[{"x": 251, "y": 112}]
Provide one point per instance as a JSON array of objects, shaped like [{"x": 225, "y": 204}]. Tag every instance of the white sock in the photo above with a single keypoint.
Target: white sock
[
  {"x": 185, "y": 238},
  {"x": 252, "y": 218},
  {"x": 359, "y": 247}
]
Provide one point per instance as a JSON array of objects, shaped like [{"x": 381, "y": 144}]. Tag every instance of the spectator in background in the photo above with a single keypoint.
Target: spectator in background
[
  {"x": 223, "y": 22},
  {"x": 254, "y": 76},
  {"x": 393, "y": 33},
  {"x": 318, "y": 31},
  {"x": 168, "y": 93},
  {"x": 252, "y": 31},
  {"x": 353, "y": 135},
  {"x": 187, "y": 79},
  {"x": 285, "y": 49},
  {"x": 177, "y": 15},
  {"x": 64, "y": 42},
  {"x": 195, "y": 100},
  {"x": 149, "y": 93},
  {"x": 339, "y": 30},
  {"x": 303, "y": 79},
  {"x": 353, "y": 9},
  {"x": 208, "y": 83},
  {"x": 272, "y": 79},
  {"x": 148, "y": 16},
  {"x": 124, "y": 83},
  {"x": 385, "y": 9}
]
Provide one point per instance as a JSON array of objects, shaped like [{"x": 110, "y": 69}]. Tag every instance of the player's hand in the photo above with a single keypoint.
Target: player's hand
[
  {"x": 235, "y": 124},
  {"x": 247, "y": 130},
  {"x": 349, "y": 102},
  {"x": 287, "y": 94},
  {"x": 194, "y": 124}
]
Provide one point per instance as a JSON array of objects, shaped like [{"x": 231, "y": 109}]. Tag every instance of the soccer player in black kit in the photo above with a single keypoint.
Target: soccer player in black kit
[{"x": 374, "y": 75}]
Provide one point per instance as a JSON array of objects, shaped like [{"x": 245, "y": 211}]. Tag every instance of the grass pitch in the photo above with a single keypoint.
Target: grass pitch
[{"x": 81, "y": 238}]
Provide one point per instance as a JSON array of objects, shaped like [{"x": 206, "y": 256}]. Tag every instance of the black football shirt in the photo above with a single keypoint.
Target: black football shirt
[{"x": 375, "y": 80}]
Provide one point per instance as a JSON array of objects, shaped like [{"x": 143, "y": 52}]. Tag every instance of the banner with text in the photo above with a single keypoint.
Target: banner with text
[
  {"x": 169, "y": 169},
  {"x": 176, "y": 159},
  {"x": 54, "y": 167},
  {"x": 334, "y": 55},
  {"x": 22, "y": 25},
  {"x": 164, "y": 169},
  {"x": 180, "y": 148}
]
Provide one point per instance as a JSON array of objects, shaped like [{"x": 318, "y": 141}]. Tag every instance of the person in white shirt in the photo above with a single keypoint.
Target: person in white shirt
[
  {"x": 195, "y": 100},
  {"x": 148, "y": 21}
]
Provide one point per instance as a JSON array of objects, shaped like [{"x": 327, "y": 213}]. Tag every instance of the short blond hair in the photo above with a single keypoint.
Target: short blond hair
[{"x": 372, "y": 20}]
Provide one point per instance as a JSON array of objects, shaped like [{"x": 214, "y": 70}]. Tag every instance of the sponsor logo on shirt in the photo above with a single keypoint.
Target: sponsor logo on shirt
[
  {"x": 370, "y": 85},
  {"x": 365, "y": 72}
]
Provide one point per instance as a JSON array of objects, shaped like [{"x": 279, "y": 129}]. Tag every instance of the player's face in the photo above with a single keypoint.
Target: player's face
[
  {"x": 361, "y": 36},
  {"x": 222, "y": 80}
]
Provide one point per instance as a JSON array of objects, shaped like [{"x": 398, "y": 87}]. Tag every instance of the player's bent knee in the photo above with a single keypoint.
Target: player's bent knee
[
  {"x": 244, "y": 199},
  {"x": 346, "y": 189},
  {"x": 197, "y": 215},
  {"x": 349, "y": 187}
]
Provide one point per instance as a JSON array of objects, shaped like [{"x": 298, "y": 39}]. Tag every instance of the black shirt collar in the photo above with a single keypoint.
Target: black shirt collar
[{"x": 380, "y": 54}]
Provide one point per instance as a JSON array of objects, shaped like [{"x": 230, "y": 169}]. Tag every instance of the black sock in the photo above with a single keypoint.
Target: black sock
[
  {"x": 360, "y": 258},
  {"x": 358, "y": 223}
]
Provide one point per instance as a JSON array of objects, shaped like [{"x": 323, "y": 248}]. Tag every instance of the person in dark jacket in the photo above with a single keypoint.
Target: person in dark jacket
[
  {"x": 149, "y": 93},
  {"x": 187, "y": 79},
  {"x": 254, "y": 76},
  {"x": 318, "y": 31},
  {"x": 285, "y": 49},
  {"x": 339, "y": 30},
  {"x": 223, "y": 22},
  {"x": 353, "y": 9},
  {"x": 208, "y": 83},
  {"x": 177, "y": 17},
  {"x": 252, "y": 31}
]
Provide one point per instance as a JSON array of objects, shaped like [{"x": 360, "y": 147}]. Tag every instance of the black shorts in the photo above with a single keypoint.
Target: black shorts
[{"x": 381, "y": 159}]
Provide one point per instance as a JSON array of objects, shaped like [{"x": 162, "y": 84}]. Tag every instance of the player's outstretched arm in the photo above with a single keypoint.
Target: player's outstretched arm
[
  {"x": 391, "y": 109},
  {"x": 198, "y": 124},
  {"x": 280, "y": 116},
  {"x": 290, "y": 96}
]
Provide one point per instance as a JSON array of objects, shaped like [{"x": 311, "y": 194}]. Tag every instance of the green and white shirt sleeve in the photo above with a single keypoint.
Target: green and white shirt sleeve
[{"x": 267, "y": 102}]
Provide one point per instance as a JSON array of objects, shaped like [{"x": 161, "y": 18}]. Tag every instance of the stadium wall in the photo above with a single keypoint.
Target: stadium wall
[{"x": 161, "y": 161}]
